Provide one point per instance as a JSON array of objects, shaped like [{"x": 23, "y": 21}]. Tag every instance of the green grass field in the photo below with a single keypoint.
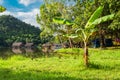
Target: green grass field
[{"x": 104, "y": 65}]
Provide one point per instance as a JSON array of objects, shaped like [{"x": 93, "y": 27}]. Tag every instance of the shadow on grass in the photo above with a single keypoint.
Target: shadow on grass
[
  {"x": 99, "y": 66},
  {"x": 112, "y": 48},
  {"x": 7, "y": 74}
]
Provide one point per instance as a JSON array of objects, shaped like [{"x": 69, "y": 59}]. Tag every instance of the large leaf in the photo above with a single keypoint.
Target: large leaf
[
  {"x": 94, "y": 16},
  {"x": 59, "y": 20},
  {"x": 62, "y": 21},
  {"x": 71, "y": 35},
  {"x": 2, "y": 9},
  {"x": 69, "y": 22},
  {"x": 103, "y": 19}
]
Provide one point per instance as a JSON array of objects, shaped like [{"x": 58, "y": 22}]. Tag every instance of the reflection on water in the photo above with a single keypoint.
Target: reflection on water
[
  {"x": 6, "y": 53},
  {"x": 32, "y": 53},
  {"x": 18, "y": 50}
]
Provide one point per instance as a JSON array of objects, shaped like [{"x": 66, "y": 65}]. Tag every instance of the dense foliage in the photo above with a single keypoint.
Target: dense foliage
[
  {"x": 14, "y": 30},
  {"x": 79, "y": 11},
  {"x": 83, "y": 20}
]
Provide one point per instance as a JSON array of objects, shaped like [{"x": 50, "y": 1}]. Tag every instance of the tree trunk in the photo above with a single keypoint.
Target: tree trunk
[
  {"x": 86, "y": 55},
  {"x": 102, "y": 39},
  {"x": 70, "y": 42},
  {"x": 60, "y": 39}
]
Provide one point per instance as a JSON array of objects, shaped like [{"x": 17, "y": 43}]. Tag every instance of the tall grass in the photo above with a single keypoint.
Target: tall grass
[{"x": 104, "y": 65}]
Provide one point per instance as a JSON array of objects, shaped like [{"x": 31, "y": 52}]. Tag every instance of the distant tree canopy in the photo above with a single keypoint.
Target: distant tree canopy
[
  {"x": 14, "y": 30},
  {"x": 53, "y": 9},
  {"x": 2, "y": 9}
]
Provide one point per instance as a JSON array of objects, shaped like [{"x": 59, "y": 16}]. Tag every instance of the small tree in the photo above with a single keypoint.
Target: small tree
[{"x": 88, "y": 29}]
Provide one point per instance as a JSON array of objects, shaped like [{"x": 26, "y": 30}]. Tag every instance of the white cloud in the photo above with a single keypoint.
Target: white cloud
[
  {"x": 28, "y": 17},
  {"x": 28, "y": 2},
  {"x": 6, "y": 13}
]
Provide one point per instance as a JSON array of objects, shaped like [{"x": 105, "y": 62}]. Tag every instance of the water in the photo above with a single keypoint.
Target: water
[{"x": 6, "y": 53}]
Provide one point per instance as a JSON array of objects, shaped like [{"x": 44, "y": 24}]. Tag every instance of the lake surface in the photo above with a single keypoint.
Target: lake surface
[
  {"x": 31, "y": 53},
  {"x": 6, "y": 53}
]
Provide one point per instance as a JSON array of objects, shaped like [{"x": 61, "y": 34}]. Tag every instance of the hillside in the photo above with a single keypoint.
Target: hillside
[{"x": 14, "y": 30}]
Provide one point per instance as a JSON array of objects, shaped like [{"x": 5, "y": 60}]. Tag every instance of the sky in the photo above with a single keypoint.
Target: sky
[{"x": 24, "y": 10}]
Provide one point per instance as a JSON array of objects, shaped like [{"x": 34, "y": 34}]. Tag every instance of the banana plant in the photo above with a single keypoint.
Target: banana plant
[
  {"x": 88, "y": 29},
  {"x": 2, "y": 9}
]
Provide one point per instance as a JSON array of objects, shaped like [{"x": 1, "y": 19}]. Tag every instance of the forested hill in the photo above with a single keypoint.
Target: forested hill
[{"x": 14, "y": 30}]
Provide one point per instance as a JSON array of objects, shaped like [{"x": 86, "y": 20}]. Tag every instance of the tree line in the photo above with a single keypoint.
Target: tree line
[{"x": 14, "y": 30}]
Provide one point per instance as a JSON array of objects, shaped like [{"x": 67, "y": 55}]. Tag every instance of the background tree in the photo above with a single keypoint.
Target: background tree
[
  {"x": 53, "y": 9},
  {"x": 115, "y": 25}
]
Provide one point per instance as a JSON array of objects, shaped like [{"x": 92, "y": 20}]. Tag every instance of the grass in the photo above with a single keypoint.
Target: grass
[{"x": 104, "y": 65}]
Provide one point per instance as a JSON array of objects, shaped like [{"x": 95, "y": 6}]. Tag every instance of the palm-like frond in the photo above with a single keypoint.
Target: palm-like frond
[
  {"x": 62, "y": 21},
  {"x": 94, "y": 16},
  {"x": 103, "y": 19},
  {"x": 59, "y": 20}
]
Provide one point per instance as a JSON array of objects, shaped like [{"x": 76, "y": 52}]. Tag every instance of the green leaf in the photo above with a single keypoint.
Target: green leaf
[
  {"x": 68, "y": 22},
  {"x": 62, "y": 21},
  {"x": 103, "y": 19},
  {"x": 2, "y": 9},
  {"x": 71, "y": 36},
  {"x": 94, "y": 16},
  {"x": 59, "y": 20}
]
